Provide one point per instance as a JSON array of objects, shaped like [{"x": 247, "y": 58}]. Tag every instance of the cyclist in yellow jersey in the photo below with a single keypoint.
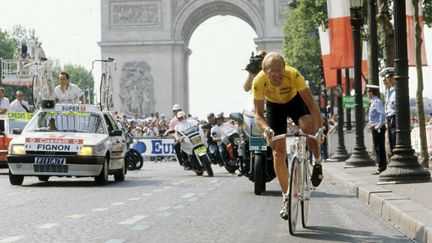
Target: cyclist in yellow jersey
[{"x": 284, "y": 91}]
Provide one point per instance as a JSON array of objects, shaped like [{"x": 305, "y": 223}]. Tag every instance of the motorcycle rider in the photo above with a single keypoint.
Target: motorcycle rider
[
  {"x": 172, "y": 124},
  {"x": 216, "y": 134},
  {"x": 212, "y": 145},
  {"x": 183, "y": 122}
]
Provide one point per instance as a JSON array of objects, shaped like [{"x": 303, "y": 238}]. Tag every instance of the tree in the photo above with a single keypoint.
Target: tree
[
  {"x": 301, "y": 42},
  {"x": 427, "y": 12},
  {"x": 385, "y": 33},
  {"x": 7, "y": 45},
  {"x": 79, "y": 76}
]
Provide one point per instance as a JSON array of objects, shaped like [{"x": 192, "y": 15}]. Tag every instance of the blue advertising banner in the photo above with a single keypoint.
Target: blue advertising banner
[{"x": 154, "y": 146}]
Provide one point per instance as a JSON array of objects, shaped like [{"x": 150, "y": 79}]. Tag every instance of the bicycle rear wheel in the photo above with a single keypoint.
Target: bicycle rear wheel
[
  {"x": 293, "y": 195},
  {"x": 306, "y": 186},
  {"x": 103, "y": 92}
]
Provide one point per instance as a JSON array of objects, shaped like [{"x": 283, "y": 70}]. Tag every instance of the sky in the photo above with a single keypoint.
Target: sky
[{"x": 221, "y": 46}]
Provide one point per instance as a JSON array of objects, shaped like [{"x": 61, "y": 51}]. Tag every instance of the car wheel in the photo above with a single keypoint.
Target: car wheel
[
  {"x": 43, "y": 178},
  {"x": 102, "y": 178},
  {"x": 119, "y": 175},
  {"x": 15, "y": 180}
]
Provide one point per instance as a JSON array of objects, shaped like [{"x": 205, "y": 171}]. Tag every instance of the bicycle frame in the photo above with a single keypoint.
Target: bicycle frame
[{"x": 106, "y": 84}]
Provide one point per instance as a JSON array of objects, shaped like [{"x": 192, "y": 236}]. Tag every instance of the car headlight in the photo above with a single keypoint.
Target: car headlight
[
  {"x": 86, "y": 151},
  {"x": 18, "y": 149}
]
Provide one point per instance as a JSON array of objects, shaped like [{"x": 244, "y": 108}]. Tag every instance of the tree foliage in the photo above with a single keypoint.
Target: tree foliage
[
  {"x": 10, "y": 44},
  {"x": 427, "y": 12},
  {"x": 301, "y": 41}
]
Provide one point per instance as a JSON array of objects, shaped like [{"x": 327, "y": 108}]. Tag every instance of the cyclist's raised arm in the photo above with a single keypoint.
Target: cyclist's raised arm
[{"x": 308, "y": 99}]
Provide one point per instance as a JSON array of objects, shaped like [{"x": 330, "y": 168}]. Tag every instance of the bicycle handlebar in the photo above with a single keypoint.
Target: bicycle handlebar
[
  {"x": 317, "y": 136},
  {"x": 110, "y": 59}
]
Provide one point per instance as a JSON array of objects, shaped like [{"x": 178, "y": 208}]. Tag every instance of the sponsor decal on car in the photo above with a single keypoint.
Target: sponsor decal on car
[{"x": 53, "y": 144}]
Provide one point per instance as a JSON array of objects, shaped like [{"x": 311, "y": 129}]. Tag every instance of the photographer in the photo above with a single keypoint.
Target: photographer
[{"x": 253, "y": 68}]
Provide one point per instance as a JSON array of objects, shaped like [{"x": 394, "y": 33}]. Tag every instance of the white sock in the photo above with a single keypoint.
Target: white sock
[
  {"x": 285, "y": 196},
  {"x": 317, "y": 161}
]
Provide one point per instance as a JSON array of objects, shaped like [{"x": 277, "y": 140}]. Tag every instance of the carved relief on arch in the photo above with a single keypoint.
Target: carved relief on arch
[
  {"x": 137, "y": 88},
  {"x": 281, "y": 8},
  {"x": 135, "y": 14}
]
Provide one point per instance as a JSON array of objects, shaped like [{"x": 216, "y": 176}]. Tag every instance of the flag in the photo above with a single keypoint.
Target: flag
[
  {"x": 329, "y": 74},
  {"x": 411, "y": 41},
  {"x": 341, "y": 40}
]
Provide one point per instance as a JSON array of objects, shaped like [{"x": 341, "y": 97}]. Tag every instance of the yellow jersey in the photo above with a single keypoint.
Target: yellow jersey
[{"x": 293, "y": 81}]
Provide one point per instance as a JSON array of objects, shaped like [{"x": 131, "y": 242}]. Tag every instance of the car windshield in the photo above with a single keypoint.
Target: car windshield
[{"x": 70, "y": 121}]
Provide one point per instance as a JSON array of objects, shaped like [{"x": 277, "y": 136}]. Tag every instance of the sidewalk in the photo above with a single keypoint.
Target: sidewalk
[{"x": 407, "y": 206}]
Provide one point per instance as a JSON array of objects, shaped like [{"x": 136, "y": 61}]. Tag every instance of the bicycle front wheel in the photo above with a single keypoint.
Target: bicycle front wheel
[
  {"x": 306, "y": 186},
  {"x": 294, "y": 193}
]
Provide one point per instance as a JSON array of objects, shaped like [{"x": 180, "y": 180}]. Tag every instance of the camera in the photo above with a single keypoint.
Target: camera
[{"x": 254, "y": 65}]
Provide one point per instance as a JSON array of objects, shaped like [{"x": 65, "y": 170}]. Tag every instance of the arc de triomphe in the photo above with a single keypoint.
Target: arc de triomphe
[{"x": 150, "y": 39}]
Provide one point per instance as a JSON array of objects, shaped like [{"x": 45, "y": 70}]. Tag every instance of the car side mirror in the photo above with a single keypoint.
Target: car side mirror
[
  {"x": 16, "y": 131},
  {"x": 116, "y": 133}
]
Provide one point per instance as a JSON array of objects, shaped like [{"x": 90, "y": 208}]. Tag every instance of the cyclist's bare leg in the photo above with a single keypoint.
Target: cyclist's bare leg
[
  {"x": 281, "y": 170},
  {"x": 306, "y": 124}
]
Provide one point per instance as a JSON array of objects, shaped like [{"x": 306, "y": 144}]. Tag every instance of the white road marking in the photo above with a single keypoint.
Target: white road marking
[
  {"x": 211, "y": 188},
  {"x": 163, "y": 208},
  {"x": 11, "y": 239},
  {"x": 115, "y": 241},
  {"x": 176, "y": 183},
  {"x": 158, "y": 190},
  {"x": 47, "y": 226},
  {"x": 202, "y": 193},
  {"x": 187, "y": 195},
  {"x": 75, "y": 216},
  {"x": 133, "y": 198},
  {"x": 143, "y": 226},
  {"x": 99, "y": 209},
  {"x": 166, "y": 214},
  {"x": 117, "y": 203},
  {"x": 133, "y": 220},
  {"x": 167, "y": 187},
  {"x": 214, "y": 181},
  {"x": 193, "y": 199},
  {"x": 147, "y": 194},
  {"x": 178, "y": 206}
]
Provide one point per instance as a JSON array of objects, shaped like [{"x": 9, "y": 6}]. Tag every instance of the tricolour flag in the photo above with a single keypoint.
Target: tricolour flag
[
  {"x": 329, "y": 74},
  {"x": 341, "y": 41},
  {"x": 410, "y": 25}
]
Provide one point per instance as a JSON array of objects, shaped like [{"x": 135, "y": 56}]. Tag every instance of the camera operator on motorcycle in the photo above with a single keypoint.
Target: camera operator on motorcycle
[
  {"x": 172, "y": 124},
  {"x": 284, "y": 91},
  {"x": 216, "y": 134},
  {"x": 184, "y": 122}
]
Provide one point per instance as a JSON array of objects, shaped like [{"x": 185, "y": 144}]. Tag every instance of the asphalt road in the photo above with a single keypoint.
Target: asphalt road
[{"x": 164, "y": 203}]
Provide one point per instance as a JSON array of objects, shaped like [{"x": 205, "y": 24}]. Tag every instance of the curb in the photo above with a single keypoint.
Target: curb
[{"x": 409, "y": 217}]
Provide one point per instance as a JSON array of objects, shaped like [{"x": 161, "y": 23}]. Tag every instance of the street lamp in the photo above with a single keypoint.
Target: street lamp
[
  {"x": 359, "y": 156},
  {"x": 404, "y": 165},
  {"x": 340, "y": 153}
]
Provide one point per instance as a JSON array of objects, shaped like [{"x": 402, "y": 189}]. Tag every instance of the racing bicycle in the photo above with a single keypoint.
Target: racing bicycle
[
  {"x": 300, "y": 185},
  {"x": 106, "y": 84}
]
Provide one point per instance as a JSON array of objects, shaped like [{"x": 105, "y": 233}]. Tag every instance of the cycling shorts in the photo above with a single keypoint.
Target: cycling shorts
[{"x": 277, "y": 114}]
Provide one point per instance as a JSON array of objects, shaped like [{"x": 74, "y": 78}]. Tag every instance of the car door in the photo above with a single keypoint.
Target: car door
[{"x": 118, "y": 146}]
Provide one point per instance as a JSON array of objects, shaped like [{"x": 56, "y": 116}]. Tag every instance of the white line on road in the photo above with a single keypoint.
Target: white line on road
[
  {"x": 178, "y": 206},
  {"x": 117, "y": 203},
  {"x": 115, "y": 241},
  {"x": 167, "y": 187},
  {"x": 214, "y": 181},
  {"x": 133, "y": 220},
  {"x": 166, "y": 214},
  {"x": 47, "y": 226},
  {"x": 143, "y": 226},
  {"x": 99, "y": 209},
  {"x": 187, "y": 195},
  {"x": 193, "y": 199},
  {"x": 11, "y": 239},
  {"x": 158, "y": 190},
  {"x": 133, "y": 198},
  {"x": 163, "y": 208},
  {"x": 146, "y": 194},
  {"x": 75, "y": 216}
]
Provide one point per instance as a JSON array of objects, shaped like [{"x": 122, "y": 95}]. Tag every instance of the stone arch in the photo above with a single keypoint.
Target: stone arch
[
  {"x": 192, "y": 15},
  {"x": 157, "y": 33}
]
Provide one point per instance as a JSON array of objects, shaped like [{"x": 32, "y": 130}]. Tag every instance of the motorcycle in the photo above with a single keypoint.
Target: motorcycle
[
  {"x": 194, "y": 149},
  {"x": 231, "y": 141},
  {"x": 257, "y": 158}
]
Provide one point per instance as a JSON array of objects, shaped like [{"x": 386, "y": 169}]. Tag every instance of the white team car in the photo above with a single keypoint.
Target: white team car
[{"x": 68, "y": 140}]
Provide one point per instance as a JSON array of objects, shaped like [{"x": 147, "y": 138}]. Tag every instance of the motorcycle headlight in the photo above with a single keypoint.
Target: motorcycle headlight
[
  {"x": 236, "y": 141},
  {"x": 86, "y": 151},
  {"x": 18, "y": 149},
  {"x": 256, "y": 131}
]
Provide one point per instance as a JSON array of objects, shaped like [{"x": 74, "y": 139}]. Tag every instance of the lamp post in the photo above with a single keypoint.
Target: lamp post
[
  {"x": 359, "y": 156},
  {"x": 403, "y": 166},
  {"x": 373, "y": 43},
  {"x": 340, "y": 153}
]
